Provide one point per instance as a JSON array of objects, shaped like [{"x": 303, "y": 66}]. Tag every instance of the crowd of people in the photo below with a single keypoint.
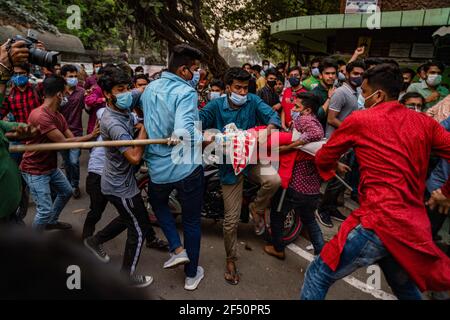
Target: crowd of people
[{"x": 388, "y": 137}]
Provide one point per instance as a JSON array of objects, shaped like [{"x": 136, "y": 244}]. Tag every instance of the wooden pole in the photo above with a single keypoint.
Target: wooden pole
[{"x": 87, "y": 145}]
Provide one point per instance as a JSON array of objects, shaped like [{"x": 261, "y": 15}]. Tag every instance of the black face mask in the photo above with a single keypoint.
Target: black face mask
[
  {"x": 271, "y": 83},
  {"x": 356, "y": 81},
  {"x": 294, "y": 81},
  {"x": 405, "y": 86}
]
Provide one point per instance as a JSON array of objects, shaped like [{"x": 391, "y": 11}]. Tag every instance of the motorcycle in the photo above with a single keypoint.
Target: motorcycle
[{"x": 213, "y": 207}]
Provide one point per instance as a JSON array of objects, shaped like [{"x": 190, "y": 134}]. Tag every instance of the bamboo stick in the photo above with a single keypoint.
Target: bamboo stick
[{"x": 87, "y": 145}]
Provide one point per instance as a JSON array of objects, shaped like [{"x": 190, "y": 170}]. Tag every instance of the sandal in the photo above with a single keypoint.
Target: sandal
[{"x": 232, "y": 277}]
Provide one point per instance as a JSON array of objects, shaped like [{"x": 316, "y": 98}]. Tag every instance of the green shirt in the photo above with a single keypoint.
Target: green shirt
[
  {"x": 424, "y": 90},
  {"x": 10, "y": 182},
  {"x": 321, "y": 92},
  {"x": 310, "y": 83}
]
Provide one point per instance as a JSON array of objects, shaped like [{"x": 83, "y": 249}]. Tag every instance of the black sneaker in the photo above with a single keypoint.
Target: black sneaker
[
  {"x": 157, "y": 243},
  {"x": 324, "y": 219},
  {"x": 76, "y": 193},
  {"x": 337, "y": 215},
  {"x": 96, "y": 249},
  {"x": 58, "y": 226},
  {"x": 139, "y": 281}
]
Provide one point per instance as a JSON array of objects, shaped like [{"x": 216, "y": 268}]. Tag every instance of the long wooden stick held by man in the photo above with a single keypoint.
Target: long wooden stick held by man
[{"x": 89, "y": 145}]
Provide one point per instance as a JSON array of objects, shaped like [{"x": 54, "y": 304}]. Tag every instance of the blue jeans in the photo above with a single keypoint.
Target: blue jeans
[
  {"x": 190, "y": 194},
  {"x": 362, "y": 248},
  {"x": 47, "y": 211},
  {"x": 71, "y": 159}
]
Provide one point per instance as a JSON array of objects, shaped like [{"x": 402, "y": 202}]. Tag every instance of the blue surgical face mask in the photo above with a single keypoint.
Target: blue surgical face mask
[
  {"x": 214, "y": 95},
  {"x": 19, "y": 80},
  {"x": 315, "y": 72},
  {"x": 341, "y": 77},
  {"x": 97, "y": 69},
  {"x": 124, "y": 100},
  {"x": 195, "y": 79},
  {"x": 361, "y": 101},
  {"x": 237, "y": 99},
  {"x": 72, "y": 82}
]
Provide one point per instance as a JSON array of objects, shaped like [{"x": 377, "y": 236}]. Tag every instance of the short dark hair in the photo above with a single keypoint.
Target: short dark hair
[
  {"x": 392, "y": 62},
  {"x": 112, "y": 77},
  {"x": 139, "y": 68},
  {"x": 310, "y": 100},
  {"x": 438, "y": 64},
  {"x": 246, "y": 64},
  {"x": 53, "y": 85},
  {"x": 420, "y": 68},
  {"x": 408, "y": 70},
  {"x": 281, "y": 65},
  {"x": 25, "y": 66},
  {"x": 315, "y": 60},
  {"x": 183, "y": 54},
  {"x": 68, "y": 68},
  {"x": 410, "y": 95},
  {"x": 295, "y": 68},
  {"x": 271, "y": 71},
  {"x": 236, "y": 74},
  {"x": 372, "y": 61},
  {"x": 328, "y": 63},
  {"x": 97, "y": 62},
  {"x": 385, "y": 77},
  {"x": 141, "y": 76},
  {"x": 355, "y": 64},
  {"x": 266, "y": 62},
  {"x": 341, "y": 62},
  {"x": 256, "y": 68},
  {"x": 218, "y": 83}
]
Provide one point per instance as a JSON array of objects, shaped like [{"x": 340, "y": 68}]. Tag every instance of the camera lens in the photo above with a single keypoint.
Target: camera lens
[{"x": 43, "y": 58}]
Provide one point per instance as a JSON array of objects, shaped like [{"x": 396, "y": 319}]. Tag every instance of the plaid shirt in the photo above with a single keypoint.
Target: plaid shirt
[{"x": 20, "y": 104}]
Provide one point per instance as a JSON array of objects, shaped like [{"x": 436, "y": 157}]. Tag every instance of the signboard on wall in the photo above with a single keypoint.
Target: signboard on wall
[
  {"x": 359, "y": 6},
  {"x": 422, "y": 50}
]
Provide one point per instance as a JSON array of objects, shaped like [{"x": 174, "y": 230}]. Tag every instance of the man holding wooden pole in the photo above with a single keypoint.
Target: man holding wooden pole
[{"x": 39, "y": 169}]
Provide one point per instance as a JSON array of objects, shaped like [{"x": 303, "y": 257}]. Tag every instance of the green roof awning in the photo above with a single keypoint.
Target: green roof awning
[
  {"x": 314, "y": 30},
  {"x": 389, "y": 19}
]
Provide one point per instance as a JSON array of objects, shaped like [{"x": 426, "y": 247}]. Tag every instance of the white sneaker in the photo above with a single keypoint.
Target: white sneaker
[
  {"x": 176, "y": 260},
  {"x": 192, "y": 283}
]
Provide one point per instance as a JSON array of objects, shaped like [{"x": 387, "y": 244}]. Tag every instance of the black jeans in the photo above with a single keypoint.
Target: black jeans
[
  {"x": 304, "y": 205},
  {"x": 98, "y": 205},
  {"x": 335, "y": 187},
  {"x": 133, "y": 216}
]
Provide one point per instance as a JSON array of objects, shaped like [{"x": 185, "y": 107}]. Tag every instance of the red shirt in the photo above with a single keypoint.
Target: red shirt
[
  {"x": 42, "y": 162},
  {"x": 20, "y": 104},
  {"x": 287, "y": 104},
  {"x": 392, "y": 146}
]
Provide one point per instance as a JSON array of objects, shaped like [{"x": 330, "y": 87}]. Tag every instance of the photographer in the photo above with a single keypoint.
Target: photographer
[{"x": 10, "y": 182}]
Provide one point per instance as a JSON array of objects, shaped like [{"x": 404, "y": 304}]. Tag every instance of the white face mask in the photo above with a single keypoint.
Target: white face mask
[
  {"x": 434, "y": 80},
  {"x": 365, "y": 99}
]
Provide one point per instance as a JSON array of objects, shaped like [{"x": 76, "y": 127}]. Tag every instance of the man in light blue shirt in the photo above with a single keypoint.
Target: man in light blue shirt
[{"x": 170, "y": 110}]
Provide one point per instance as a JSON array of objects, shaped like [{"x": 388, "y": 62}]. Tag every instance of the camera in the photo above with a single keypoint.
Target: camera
[{"x": 38, "y": 57}]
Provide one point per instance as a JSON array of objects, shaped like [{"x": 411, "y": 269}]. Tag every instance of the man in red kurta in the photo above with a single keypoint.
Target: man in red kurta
[{"x": 392, "y": 146}]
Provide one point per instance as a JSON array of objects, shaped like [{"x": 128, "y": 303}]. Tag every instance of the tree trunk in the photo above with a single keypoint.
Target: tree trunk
[{"x": 178, "y": 27}]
